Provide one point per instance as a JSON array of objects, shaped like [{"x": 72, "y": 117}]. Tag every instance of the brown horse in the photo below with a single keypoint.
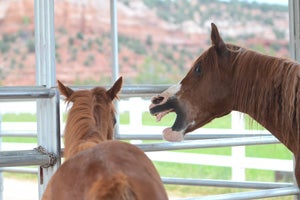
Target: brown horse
[
  {"x": 227, "y": 77},
  {"x": 96, "y": 167}
]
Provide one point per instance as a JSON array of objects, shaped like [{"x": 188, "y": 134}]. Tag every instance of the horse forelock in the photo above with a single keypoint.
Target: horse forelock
[
  {"x": 268, "y": 88},
  {"x": 89, "y": 120},
  {"x": 209, "y": 57}
]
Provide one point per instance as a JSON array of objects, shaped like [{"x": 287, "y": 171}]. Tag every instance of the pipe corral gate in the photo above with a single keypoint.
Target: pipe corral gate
[{"x": 48, "y": 153}]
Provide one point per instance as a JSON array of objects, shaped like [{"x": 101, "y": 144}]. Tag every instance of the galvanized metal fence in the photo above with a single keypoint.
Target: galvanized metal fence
[
  {"x": 48, "y": 152},
  {"x": 35, "y": 157}
]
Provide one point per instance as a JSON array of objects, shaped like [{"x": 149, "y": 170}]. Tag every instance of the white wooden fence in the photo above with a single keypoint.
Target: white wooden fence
[{"x": 238, "y": 162}]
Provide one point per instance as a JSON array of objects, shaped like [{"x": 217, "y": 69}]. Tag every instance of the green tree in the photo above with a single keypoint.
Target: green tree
[{"x": 154, "y": 72}]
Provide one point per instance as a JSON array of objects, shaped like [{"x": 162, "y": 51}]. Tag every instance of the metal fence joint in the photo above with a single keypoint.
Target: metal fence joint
[{"x": 52, "y": 156}]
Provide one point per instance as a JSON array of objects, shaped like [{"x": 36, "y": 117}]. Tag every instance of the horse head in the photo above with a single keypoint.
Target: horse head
[
  {"x": 203, "y": 94},
  {"x": 96, "y": 167},
  {"x": 91, "y": 118}
]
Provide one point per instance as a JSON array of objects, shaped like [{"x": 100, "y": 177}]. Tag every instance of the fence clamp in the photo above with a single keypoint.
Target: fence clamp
[{"x": 52, "y": 156}]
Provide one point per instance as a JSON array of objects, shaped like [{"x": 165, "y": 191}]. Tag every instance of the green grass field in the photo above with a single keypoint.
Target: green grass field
[{"x": 188, "y": 170}]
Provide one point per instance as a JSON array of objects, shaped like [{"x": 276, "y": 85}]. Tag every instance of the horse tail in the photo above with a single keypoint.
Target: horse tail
[{"x": 116, "y": 188}]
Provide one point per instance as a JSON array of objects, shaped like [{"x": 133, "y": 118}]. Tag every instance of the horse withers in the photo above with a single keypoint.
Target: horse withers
[
  {"x": 228, "y": 77},
  {"x": 97, "y": 167}
]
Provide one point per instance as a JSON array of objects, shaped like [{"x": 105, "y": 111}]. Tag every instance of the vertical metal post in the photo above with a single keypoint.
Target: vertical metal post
[
  {"x": 1, "y": 175},
  {"x": 115, "y": 55},
  {"x": 47, "y": 109},
  {"x": 114, "y": 38},
  {"x": 294, "y": 23}
]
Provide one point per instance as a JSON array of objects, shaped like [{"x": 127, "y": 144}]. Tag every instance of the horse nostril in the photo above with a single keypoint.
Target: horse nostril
[{"x": 157, "y": 100}]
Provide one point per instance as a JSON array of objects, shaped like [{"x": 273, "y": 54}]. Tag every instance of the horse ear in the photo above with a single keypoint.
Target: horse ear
[
  {"x": 216, "y": 39},
  {"x": 64, "y": 90},
  {"x": 114, "y": 90}
]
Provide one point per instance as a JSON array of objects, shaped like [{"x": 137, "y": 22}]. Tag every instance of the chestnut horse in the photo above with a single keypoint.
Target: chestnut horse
[
  {"x": 97, "y": 167},
  {"x": 227, "y": 77}
]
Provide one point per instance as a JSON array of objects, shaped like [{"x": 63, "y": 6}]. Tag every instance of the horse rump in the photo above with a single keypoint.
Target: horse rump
[{"x": 116, "y": 187}]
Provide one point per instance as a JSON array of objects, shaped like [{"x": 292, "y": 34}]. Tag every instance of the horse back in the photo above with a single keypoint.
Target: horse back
[{"x": 110, "y": 170}]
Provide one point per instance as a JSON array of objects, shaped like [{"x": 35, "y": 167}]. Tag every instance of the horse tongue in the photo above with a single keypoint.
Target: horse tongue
[
  {"x": 172, "y": 136},
  {"x": 159, "y": 116}
]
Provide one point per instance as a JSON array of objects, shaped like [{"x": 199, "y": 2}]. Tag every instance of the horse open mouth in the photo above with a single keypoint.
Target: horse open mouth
[{"x": 161, "y": 109}]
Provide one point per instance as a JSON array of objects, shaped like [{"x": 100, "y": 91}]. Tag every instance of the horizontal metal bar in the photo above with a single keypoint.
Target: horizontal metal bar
[
  {"x": 154, "y": 133},
  {"x": 18, "y": 134},
  {"x": 187, "y": 137},
  {"x": 23, "y": 158},
  {"x": 146, "y": 136},
  {"x": 133, "y": 90},
  {"x": 142, "y": 90},
  {"x": 34, "y": 92},
  {"x": 209, "y": 143},
  {"x": 19, "y": 170},
  {"x": 20, "y": 92},
  {"x": 32, "y": 157},
  {"x": 251, "y": 195},
  {"x": 224, "y": 183},
  {"x": 185, "y": 181}
]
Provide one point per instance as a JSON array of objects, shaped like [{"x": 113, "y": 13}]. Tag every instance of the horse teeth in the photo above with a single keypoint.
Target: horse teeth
[{"x": 159, "y": 117}]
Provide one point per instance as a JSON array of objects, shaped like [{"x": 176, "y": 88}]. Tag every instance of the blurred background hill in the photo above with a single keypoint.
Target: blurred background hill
[{"x": 158, "y": 39}]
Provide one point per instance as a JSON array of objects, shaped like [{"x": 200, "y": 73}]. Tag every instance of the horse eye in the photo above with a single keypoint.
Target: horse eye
[{"x": 198, "y": 69}]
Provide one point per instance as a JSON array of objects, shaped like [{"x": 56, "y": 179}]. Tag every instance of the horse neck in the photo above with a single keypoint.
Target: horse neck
[
  {"x": 266, "y": 88},
  {"x": 84, "y": 130}
]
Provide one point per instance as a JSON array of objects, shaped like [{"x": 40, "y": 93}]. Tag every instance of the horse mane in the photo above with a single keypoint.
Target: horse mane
[
  {"x": 84, "y": 128},
  {"x": 268, "y": 87}
]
